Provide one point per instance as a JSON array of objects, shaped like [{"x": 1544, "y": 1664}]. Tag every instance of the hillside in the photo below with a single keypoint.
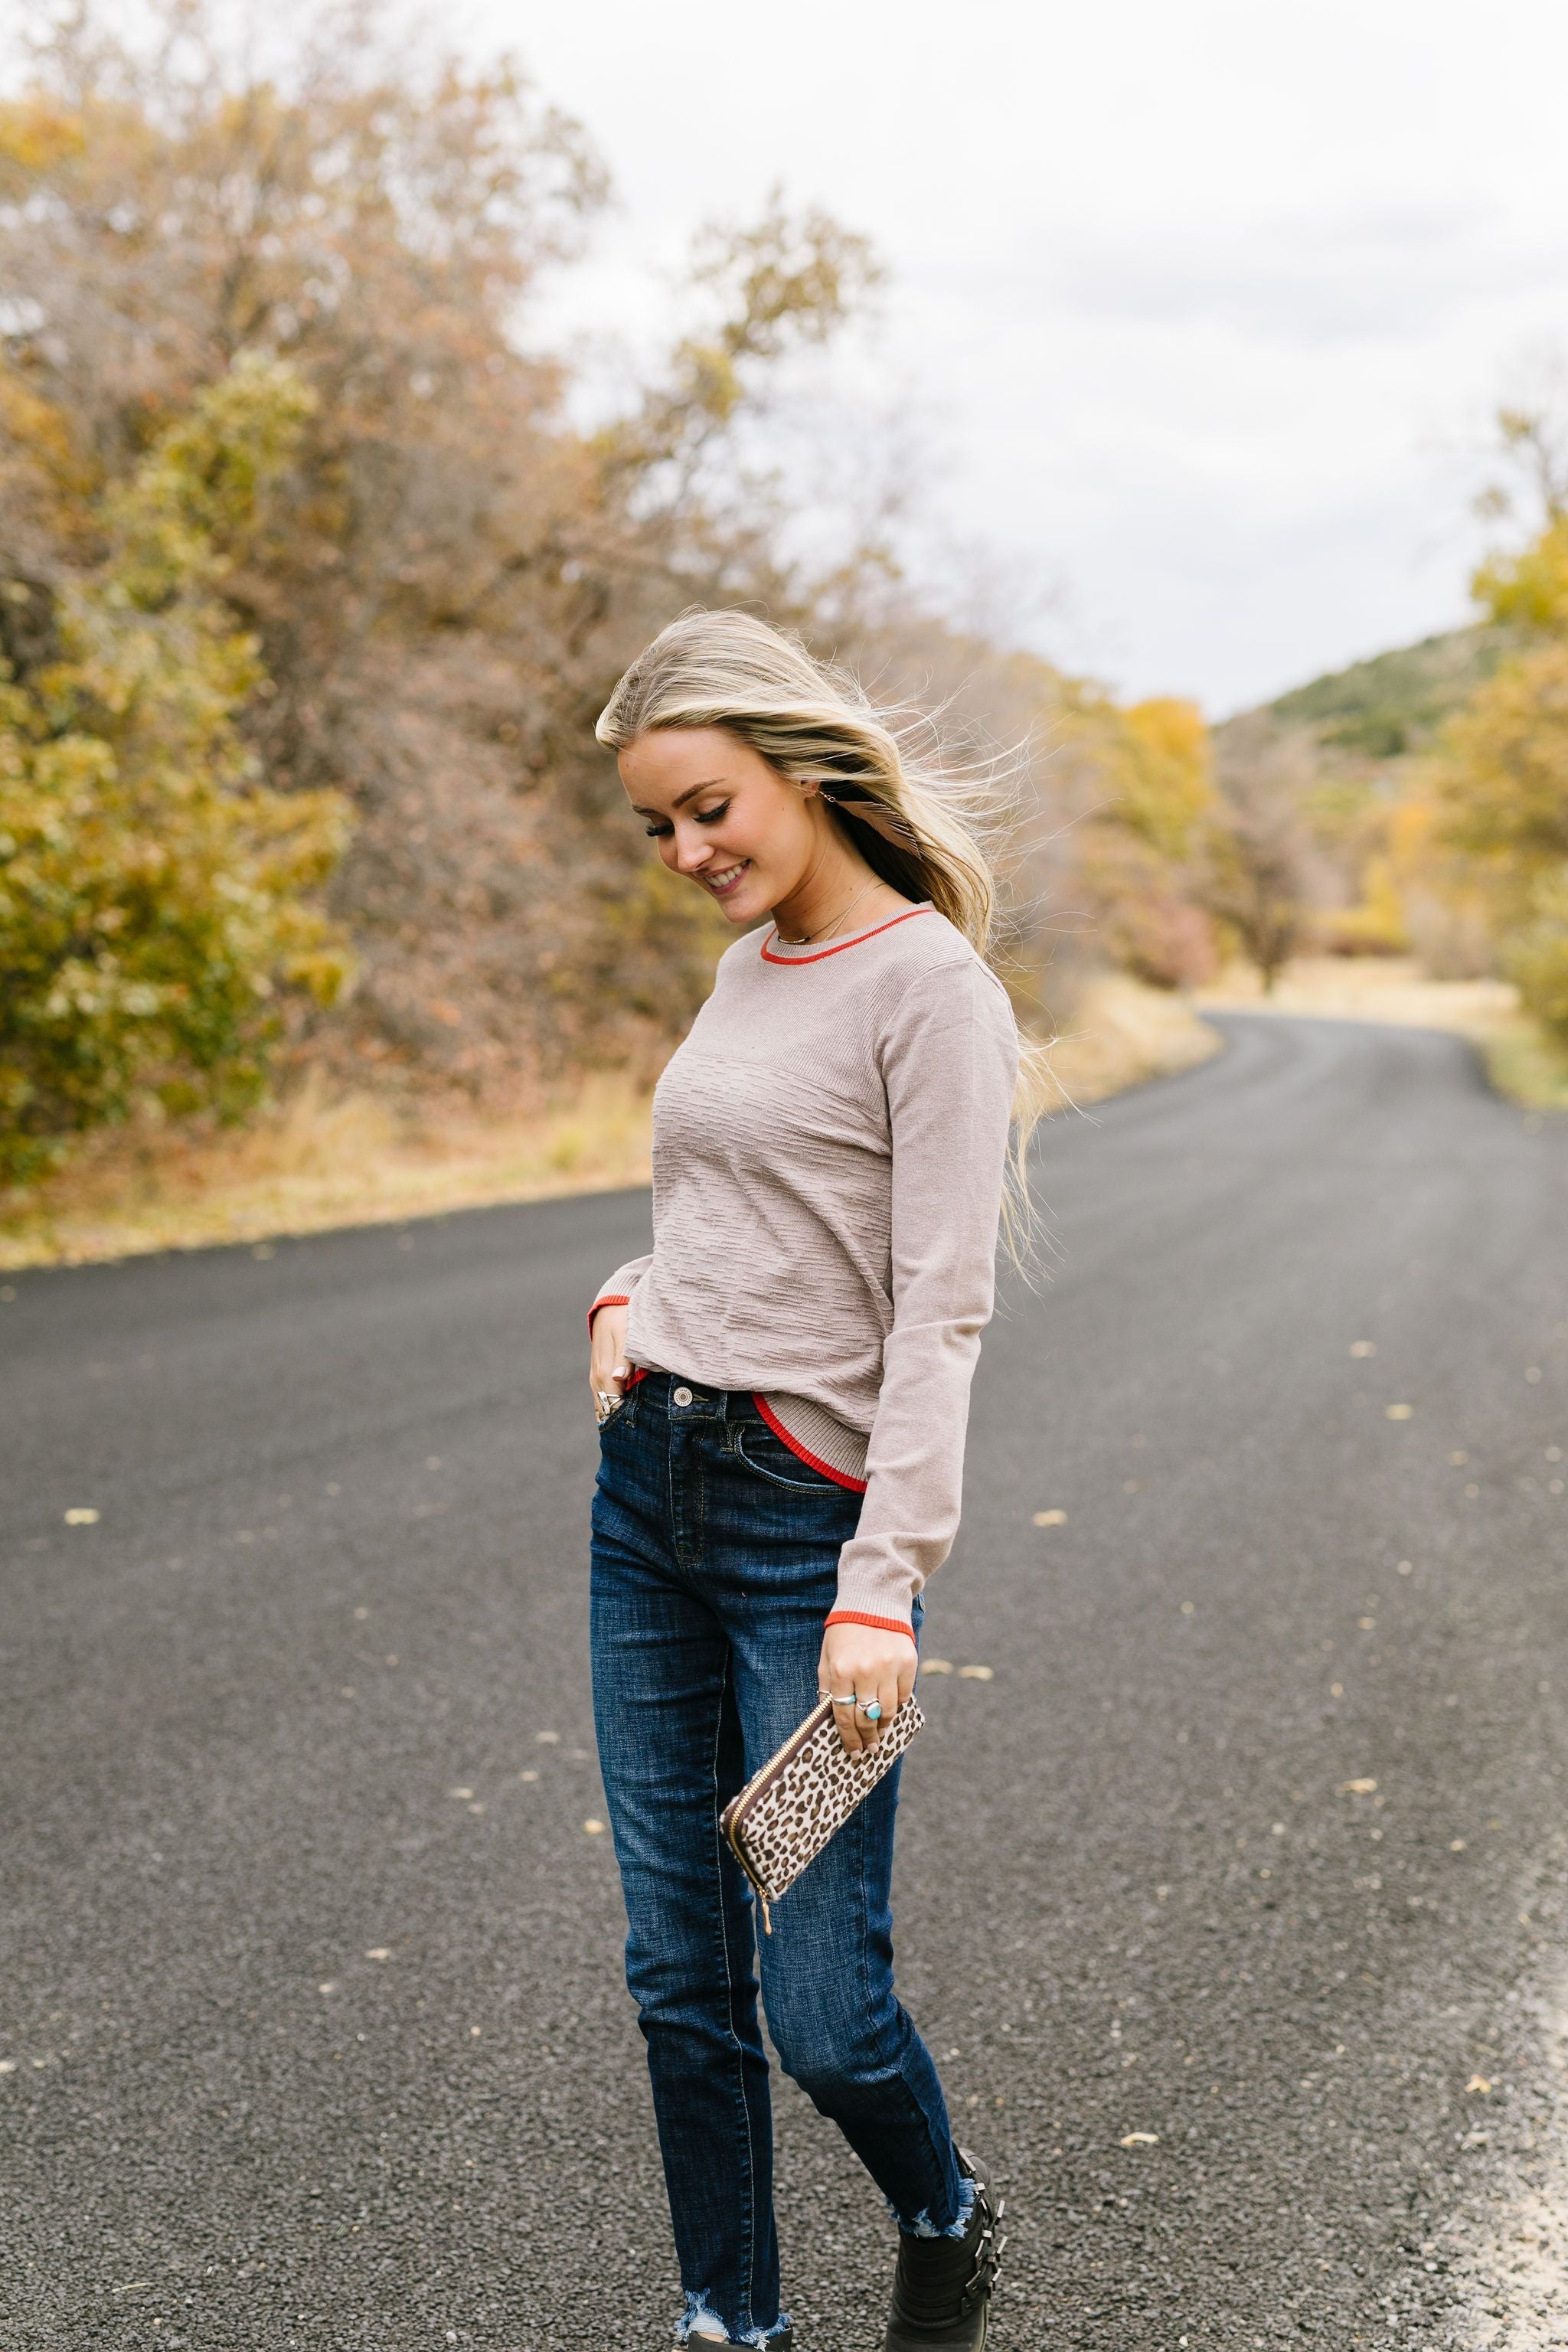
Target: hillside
[{"x": 1381, "y": 708}]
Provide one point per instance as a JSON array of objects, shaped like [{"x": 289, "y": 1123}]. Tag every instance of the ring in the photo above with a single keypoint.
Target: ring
[
  {"x": 837, "y": 1702},
  {"x": 607, "y": 1403},
  {"x": 873, "y": 1714}
]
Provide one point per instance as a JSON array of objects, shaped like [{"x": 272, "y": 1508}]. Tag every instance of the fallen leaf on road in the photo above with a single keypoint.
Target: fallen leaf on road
[
  {"x": 548, "y": 1738},
  {"x": 594, "y": 1829},
  {"x": 1363, "y": 1347},
  {"x": 1141, "y": 2140},
  {"x": 7, "y": 2065},
  {"x": 1458, "y": 1460},
  {"x": 528, "y": 1776},
  {"x": 464, "y": 1793},
  {"x": 81, "y": 1518},
  {"x": 476, "y": 1808},
  {"x": 1456, "y": 1845},
  {"x": 1479, "y": 2083},
  {"x": 1357, "y": 1787},
  {"x": 327, "y": 1988},
  {"x": 976, "y": 1673},
  {"x": 1050, "y": 1519},
  {"x": 379, "y": 1952},
  {"x": 1398, "y": 1411},
  {"x": 936, "y": 1665}
]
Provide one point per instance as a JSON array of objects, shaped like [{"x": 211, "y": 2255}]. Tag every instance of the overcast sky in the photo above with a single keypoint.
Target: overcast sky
[{"x": 1200, "y": 308}]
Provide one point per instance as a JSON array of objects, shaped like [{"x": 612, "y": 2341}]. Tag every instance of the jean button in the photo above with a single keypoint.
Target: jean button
[{"x": 683, "y": 1396}]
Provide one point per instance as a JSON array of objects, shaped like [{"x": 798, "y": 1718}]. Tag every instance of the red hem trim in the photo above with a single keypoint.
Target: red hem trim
[
  {"x": 611, "y": 1298},
  {"x": 882, "y": 1625},
  {"x": 815, "y": 1461},
  {"x": 839, "y": 947}
]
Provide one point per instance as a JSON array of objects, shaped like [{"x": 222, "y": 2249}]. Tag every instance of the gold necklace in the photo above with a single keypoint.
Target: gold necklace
[{"x": 806, "y": 937}]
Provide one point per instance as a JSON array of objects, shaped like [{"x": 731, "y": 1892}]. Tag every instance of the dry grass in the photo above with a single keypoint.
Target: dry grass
[
  {"x": 1121, "y": 1034},
  {"x": 1523, "y": 1062},
  {"x": 319, "y": 1162}
]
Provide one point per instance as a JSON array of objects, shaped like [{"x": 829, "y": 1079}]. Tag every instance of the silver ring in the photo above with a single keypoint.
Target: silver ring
[
  {"x": 608, "y": 1402},
  {"x": 872, "y": 1713},
  {"x": 837, "y": 1702}
]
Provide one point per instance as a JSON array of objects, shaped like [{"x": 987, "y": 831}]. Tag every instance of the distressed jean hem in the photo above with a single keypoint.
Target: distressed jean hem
[
  {"x": 698, "y": 2308},
  {"x": 922, "y": 2226}
]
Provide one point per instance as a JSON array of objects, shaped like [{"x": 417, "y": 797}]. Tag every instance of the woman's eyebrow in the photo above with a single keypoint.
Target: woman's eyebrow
[{"x": 680, "y": 798}]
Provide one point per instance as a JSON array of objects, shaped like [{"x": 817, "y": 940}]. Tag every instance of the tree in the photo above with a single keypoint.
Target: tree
[
  {"x": 451, "y": 576},
  {"x": 156, "y": 898},
  {"x": 1259, "y": 849},
  {"x": 1503, "y": 775},
  {"x": 1146, "y": 775}
]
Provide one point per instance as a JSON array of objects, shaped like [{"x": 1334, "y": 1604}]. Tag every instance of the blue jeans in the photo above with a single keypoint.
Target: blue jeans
[{"x": 715, "y": 1562}]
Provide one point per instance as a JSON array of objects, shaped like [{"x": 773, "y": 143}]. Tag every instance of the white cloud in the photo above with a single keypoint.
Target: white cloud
[{"x": 1196, "y": 296}]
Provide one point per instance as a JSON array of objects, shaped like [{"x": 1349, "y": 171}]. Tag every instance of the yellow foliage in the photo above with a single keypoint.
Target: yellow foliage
[
  {"x": 36, "y": 135},
  {"x": 1530, "y": 590},
  {"x": 1505, "y": 774}
]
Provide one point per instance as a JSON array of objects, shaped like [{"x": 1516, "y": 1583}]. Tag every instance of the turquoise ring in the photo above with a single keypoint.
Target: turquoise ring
[{"x": 873, "y": 1714}]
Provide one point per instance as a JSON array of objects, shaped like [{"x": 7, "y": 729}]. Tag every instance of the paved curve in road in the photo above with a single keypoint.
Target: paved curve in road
[{"x": 310, "y": 1997}]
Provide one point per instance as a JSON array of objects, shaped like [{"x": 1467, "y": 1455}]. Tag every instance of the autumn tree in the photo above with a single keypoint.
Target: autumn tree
[
  {"x": 1146, "y": 781},
  {"x": 453, "y": 576},
  {"x": 1260, "y": 850},
  {"x": 1502, "y": 775},
  {"x": 157, "y": 900}
]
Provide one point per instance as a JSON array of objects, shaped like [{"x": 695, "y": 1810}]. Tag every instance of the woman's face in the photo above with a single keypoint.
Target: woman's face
[{"x": 723, "y": 817}]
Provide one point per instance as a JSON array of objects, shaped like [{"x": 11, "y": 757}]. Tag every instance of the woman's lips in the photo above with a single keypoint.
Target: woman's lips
[{"x": 722, "y": 884}]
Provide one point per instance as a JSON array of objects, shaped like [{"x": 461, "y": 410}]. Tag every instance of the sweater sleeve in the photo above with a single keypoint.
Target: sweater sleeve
[
  {"x": 618, "y": 1289},
  {"x": 949, "y": 1061}
]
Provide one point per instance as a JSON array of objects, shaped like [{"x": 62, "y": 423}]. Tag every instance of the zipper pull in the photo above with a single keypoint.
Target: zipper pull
[{"x": 767, "y": 1916}]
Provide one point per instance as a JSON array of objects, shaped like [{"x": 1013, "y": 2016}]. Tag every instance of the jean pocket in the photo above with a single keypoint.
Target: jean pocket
[
  {"x": 619, "y": 1412},
  {"x": 771, "y": 1459}
]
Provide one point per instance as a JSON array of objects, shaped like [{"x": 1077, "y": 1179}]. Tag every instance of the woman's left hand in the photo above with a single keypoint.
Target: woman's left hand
[{"x": 858, "y": 1663}]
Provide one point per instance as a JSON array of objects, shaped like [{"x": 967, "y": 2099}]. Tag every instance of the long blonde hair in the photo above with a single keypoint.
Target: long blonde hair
[{"x": 923, "y": 825}]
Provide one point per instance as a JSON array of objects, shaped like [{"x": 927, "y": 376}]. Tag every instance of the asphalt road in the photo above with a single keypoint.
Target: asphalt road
[{"x": 310, "y": 2007}]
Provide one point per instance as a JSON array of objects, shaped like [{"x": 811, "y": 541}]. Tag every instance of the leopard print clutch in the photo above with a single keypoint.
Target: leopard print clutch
[{"x": 786, "y": 1812}]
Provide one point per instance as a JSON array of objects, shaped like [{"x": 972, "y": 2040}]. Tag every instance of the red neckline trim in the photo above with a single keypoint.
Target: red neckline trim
[{"x": 839, "y": 945}]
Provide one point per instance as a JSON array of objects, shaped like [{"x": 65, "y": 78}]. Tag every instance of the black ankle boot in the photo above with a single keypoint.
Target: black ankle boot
[{"x": 942, "y": 2293}]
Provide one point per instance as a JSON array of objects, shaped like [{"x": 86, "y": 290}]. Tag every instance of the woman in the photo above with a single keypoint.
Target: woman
[{"x": 782, "y": 1383}]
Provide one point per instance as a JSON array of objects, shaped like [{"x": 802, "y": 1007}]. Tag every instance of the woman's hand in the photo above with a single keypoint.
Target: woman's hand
[
  {"x": 859, "y": 1663},
  {"x": 609, "y": 1369}
]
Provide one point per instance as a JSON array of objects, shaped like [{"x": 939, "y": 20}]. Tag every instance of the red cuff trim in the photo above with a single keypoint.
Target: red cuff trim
[
  {"x": 803, "y": 1453},
  {"x": 611, "y": 1298},
  {"x": 881, "y": 1624}
]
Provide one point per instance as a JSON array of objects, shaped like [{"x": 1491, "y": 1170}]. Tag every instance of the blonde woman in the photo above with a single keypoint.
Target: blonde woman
[{"x": 783, "y": 1384}]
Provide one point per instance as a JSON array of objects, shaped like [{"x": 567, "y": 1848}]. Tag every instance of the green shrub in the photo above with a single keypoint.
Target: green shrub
[{"x": 155, "y": 897}]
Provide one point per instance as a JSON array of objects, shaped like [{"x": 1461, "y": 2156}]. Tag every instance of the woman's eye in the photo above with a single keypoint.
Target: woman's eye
[{"x": 707, "y": 816}]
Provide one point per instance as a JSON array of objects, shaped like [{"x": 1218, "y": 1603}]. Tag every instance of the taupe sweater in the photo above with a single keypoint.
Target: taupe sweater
[{"x": 827, "y": 1158}]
